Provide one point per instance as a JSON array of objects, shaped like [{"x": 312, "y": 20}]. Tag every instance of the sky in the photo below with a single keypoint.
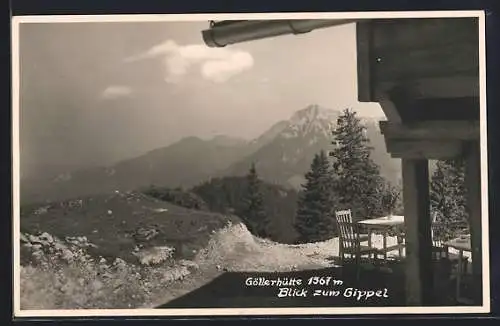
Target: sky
[{"x": 96, "y": 93}]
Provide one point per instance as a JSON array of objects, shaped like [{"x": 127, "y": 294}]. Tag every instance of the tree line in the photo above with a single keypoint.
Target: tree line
[
  {"x": 343, "y": 178},
  {"x": 347, "y": 178}
]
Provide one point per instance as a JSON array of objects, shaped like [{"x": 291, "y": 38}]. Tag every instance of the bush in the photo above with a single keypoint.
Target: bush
[
  {"x": 227, "y": 196},
  {"x": 178, "y": 197}
]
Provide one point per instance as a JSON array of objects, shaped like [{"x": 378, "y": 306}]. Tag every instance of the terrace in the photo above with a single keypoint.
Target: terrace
[{"x": 425, "y": 75}]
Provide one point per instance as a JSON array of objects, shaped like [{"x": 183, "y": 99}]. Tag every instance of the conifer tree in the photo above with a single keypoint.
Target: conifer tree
[
  {"x": 253, "y": 205},
  {"x": 448, "y": 194},
  {"x": 358, "y": 183},
  {"x": 314, "y": 220}
]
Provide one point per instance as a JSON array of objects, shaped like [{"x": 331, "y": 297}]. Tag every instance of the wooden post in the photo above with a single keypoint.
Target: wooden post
[
  {"x": 419, "y": 271},
  {"x": 473, "y": 184}
]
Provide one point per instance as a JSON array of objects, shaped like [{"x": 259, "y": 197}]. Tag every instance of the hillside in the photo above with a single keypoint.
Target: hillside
[
  {"x": 68, "y": 267},
  {"x": 184, "y": 163},
  {"x": 227, "y": 195},
  {"x": 129, "y": 250},
  {"x": 120, "y": 223},
  {"x": 282, "y": 154}
]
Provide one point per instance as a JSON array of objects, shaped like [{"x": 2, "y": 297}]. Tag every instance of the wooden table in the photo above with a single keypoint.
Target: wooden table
[
  {"x": 384, "y": 224},
  {"x": 461, "y": 244}
]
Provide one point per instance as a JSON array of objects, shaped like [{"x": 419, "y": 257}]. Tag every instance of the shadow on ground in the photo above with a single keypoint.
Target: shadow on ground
[{"x": 229, "y": 290}]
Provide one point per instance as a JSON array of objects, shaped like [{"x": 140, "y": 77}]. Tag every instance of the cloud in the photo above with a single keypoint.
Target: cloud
[
  {"x": 214, "y": 64},
  {"x": 116, "y": 91}
]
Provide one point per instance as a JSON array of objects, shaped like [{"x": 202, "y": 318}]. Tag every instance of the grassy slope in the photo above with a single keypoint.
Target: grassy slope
[
  {"x": 204, "y": 238},
  {"x": 112, "y": 223}
]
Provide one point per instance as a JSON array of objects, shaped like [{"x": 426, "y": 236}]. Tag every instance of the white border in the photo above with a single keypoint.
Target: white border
[{"x": 17, "y": 20}]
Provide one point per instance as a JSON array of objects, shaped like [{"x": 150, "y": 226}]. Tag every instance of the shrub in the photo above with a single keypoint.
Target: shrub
[
  {"x": 178, "y": 197},
  {"x": 62, "y": 275}
]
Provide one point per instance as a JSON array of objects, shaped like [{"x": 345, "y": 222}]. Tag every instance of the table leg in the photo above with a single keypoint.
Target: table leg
[
  {"x": 459, "y": 272},
  {"x": 369, "y": 237},
  {"x": 400, "y": 248},
  {"x": 385, "y": 245}
]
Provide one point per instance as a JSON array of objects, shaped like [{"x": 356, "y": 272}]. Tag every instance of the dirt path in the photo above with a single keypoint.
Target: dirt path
[
  {"x": 235, "y": 250},
  {"x": 194, "y": 281}
]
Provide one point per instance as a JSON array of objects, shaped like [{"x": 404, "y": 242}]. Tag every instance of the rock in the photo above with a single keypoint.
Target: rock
[
  {"x": 59, "y": 246},
  {"x": 145, "y": 234},
  {"x": 67, "y": 255},
  {"x": 119, "y": 261},
  {"x": 41, "y": 210},
  {"x": 189, "y": 264},
  {"x": 24, "y": 238},
  {"x": 46, "y": 237}
]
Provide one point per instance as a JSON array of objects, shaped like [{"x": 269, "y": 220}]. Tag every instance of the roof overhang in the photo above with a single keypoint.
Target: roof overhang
[{"x": 424, "y": 73}]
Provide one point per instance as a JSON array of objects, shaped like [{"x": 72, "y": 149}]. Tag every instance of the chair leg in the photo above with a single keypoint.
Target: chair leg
[
  {"x": 465, "y": 266},
  {"x": 400, "y": 249},
  {"x": 357, "y": 266}
]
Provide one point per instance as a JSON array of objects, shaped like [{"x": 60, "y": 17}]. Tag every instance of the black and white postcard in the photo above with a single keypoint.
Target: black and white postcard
[{"x": 250, "y": 164}]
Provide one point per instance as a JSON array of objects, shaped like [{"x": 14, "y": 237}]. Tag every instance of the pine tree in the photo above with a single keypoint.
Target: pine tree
[
  {"x": 253, "y": 205},
  {"x": 358, "y": 185},
  {"x": 314, "y": 220},
  {"x": 448, "y": 195}
]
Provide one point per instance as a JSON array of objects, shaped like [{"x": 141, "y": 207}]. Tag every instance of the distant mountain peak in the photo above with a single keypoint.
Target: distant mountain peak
[
  {"x": 313, "y": 112},
  {"x": 313, "y": 118},
  {"x": 224, "y": 140}
]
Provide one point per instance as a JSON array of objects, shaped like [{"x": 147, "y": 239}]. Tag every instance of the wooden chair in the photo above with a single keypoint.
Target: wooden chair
[
  {"x": 350, "y": 240},
  {"x": 439, "y": 250}
]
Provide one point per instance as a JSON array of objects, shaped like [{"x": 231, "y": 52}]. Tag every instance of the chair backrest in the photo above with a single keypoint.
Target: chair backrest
[
  {"x": 433, "y": 229},
  {"x": 347, "y": 231},
  {"x": 436, "y": 230},
  {"x": 436, "y": 234}
]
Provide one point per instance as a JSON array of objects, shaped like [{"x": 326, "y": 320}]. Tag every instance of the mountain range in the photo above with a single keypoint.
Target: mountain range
[{"x": 282, "y": 155}]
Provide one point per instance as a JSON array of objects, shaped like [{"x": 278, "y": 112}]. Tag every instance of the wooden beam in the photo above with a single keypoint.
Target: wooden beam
[
  {"x": 419, "y": 274},
  {"x": 411, "y": 33},
  {"x": 449, "y": 109},
  {"x": 364, "y": 39},
  {"x": 431, "y": 130},
  {"x": 438, "y": 87},
  {"x": 390, "y": 110},
  {"x": 445, "y": 59},
  {"x": 473, "y": 183},
  {"x": 424, "y": 149}
]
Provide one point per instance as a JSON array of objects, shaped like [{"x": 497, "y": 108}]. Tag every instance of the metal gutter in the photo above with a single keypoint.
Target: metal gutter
[{"x": 226, "y": 32}]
